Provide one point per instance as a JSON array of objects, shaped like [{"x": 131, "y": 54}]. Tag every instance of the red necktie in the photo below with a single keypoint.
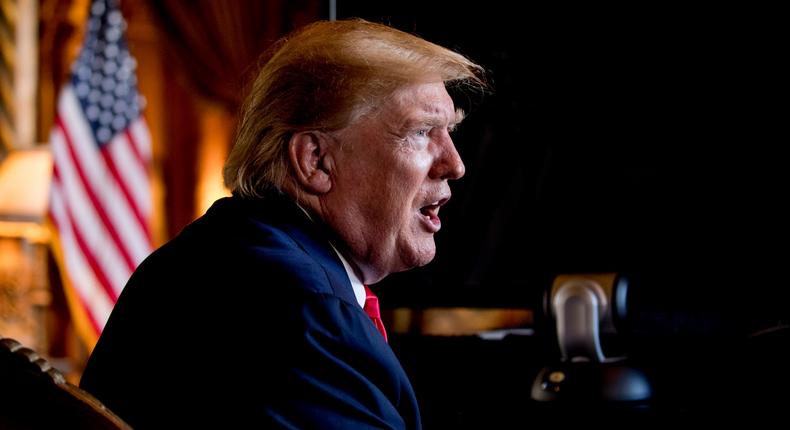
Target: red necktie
[{"x": 372, "y": 309}]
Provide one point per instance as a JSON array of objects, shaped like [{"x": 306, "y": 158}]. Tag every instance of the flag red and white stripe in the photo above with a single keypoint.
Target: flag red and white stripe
[{"x": 100, "y": 200}]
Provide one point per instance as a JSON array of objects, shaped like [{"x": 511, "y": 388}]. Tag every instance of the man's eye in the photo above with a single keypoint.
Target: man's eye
[{"x": 423, "y": 132}]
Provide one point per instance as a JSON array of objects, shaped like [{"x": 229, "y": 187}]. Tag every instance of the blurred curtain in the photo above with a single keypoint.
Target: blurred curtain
[
  {"x": 211, "y": 51},
  {"x": 218, "y": 41}
]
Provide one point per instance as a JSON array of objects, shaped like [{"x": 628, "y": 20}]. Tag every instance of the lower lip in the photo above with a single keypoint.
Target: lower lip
[{"x": 432, "y": 223}]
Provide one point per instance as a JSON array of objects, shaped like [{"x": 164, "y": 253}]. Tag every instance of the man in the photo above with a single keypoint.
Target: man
[{"x": 255, "y": 313}]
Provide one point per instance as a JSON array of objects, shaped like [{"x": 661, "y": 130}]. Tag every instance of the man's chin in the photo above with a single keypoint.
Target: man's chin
[{"x": 422, "y": 257}]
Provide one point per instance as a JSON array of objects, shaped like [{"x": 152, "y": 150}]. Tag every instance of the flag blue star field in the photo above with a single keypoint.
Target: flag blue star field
[{"x": 100, "y": 200}]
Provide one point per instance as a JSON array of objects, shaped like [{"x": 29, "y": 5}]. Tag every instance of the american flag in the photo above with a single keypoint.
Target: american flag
[{"x": 100, "y": 201}]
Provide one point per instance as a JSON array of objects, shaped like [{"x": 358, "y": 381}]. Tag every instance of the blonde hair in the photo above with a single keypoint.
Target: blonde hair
[{"x": 321, "y": 78}]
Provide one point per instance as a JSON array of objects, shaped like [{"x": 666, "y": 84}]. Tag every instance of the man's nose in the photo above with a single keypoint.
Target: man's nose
[{"x": 448, "y": 163}]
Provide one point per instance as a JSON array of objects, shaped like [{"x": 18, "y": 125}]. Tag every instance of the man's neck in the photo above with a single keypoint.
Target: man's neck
[{"x": 356, "y": 280}]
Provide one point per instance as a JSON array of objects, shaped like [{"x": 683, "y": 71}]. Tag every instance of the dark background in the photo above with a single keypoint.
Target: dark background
[{"x": 644, "y": 139}]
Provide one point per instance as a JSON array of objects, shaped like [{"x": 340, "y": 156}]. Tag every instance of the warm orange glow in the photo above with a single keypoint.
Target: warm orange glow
[
  {"x": 215, "y": 131},
  {"x": 24, "y": 185},
  {"x": 455, "y": 321},
  {"x": 30, "y": 231}
]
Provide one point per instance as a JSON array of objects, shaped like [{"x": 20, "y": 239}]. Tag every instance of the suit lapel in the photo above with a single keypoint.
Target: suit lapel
[{"x": 311, "y": 237}]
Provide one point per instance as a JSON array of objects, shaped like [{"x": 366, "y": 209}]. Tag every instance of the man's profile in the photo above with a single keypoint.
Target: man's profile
[{"x": 258, "y": 312}]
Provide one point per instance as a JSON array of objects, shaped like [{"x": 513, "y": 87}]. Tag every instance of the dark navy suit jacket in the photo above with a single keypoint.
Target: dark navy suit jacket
[{"x": 247, "y": 318}]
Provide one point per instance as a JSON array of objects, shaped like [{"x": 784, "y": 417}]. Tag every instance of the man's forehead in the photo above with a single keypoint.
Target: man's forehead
[{"x": 425, "y": 102}]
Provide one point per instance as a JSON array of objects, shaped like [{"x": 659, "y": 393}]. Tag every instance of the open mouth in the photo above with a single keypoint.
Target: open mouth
[{"x": 430, "y": 214}]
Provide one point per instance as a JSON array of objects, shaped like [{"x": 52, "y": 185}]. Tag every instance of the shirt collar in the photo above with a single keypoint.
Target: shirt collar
[{"x": 356, "y": 283}]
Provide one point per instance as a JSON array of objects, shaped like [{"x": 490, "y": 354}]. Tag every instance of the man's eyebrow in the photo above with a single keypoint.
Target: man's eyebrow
[
  {"x": 459, "y": 116},
  {"x": 439, "y": 120}
]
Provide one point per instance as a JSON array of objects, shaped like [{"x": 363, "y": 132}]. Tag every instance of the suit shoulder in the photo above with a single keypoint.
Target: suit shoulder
[{"x": 235, "y": 245}]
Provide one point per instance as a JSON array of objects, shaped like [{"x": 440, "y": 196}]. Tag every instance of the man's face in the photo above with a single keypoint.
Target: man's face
[{"x": 390, "y": 178}]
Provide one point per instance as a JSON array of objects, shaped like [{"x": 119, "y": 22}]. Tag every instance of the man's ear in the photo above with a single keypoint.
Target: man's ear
[{"x": 307, "y": 151}]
